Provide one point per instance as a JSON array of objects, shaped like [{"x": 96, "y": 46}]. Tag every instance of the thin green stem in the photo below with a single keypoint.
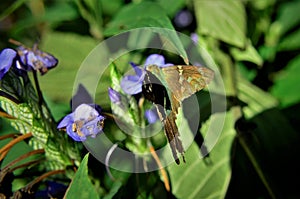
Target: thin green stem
[
  {"x": 42, "y": 101},
  {"x": 37, "y": 87}
]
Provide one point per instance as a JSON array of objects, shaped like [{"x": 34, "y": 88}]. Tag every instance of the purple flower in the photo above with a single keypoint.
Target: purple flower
[
  {"x": 183, "y": 18},
  {"x": 114, "y": 96},
  {"x": 26, "y": 59},
  {"x": 151, "y": 115},
  {"x": 195, "y": 37},
  {"x": 132, "y": 84},
  {"x": 83, "y": 122},
  {"x": 7, "y": 57},
  {"x": 35, "y": 59}
]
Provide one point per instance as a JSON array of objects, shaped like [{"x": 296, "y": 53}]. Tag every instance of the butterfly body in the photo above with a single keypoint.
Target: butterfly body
[{"x": 167, "y": 87}]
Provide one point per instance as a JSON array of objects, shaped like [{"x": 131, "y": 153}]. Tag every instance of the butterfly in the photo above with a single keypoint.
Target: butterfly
[{"x": 167, "y": 87}]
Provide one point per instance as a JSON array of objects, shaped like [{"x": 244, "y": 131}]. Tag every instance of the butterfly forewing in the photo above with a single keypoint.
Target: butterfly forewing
[{"x": 183, "y": 81}]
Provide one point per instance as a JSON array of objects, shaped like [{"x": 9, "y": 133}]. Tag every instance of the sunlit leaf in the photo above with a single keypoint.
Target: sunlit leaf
[
  {"x": 81, "y": 186},
  {"x": 223, "y": 20},
  {"x": 290, "y": 42},
  {"x": 70, "y": 49},
  {"x": 249, "y": 54},
  {"x": 172, "y": 6},
  {"x": 142, "y": 15},
  {"x": 286, "y": 83},
  {"x": 200, "y": 178},
  {"x": 288, "y": 16}
]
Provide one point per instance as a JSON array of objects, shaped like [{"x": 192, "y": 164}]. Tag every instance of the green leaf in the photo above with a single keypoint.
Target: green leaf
[
  {"x": 199, "y": 178},
  {"x": 91, "y": 10},
  {"x": 115, "y": 78},
  {"x": 81, "y": 186},
  {"x": 53, "y": 15},
  {"x": 290, "y": 42},
  {"x": 171, "y": 6},
  {"x": 142, "y": 15},
  {"x": 122, "y": 111},
  {"x": 9, "y": 107},
  {"x": 286, "y": 83},
  {"x": 23, "y": 117},
  {"x": 261, "y": 5},
  {"x": 70, "y": 49},
  {"x": 288, "y": 15},
  {"x": 113, "y": 190},
  {"x": 111, "y": 7},
  {"x": 12, "y": 85},
  {"x": 223, "y": 20},
  {"x": 11, "y": 9},
  {"x": 249, "y": 54},
  {"x": 256, "y": 99}
]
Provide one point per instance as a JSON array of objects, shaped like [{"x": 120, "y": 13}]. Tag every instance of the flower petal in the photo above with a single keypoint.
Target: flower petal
[
  {"x": 151, "y": 115},
  {"x": 114, "y": 96},
  {"x": 7, "y": 57},
  {"x": 155, "y": 59},
  {"x": 137, "y": 69},
  {"x": 132, "y": 84},
  {"x": 85, "y": 112},
  {"x": 68, "y": 120}
]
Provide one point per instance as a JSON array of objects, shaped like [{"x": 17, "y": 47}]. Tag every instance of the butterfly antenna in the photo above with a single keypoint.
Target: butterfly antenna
[{"x": 15, "y": 42}]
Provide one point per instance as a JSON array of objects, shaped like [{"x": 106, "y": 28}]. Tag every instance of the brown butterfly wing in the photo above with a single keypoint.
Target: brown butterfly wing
[{"x": 183, "y": 81}]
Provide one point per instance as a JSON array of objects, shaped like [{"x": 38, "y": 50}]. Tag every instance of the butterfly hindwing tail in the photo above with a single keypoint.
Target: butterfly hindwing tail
[{"x": 171, "y": 132}]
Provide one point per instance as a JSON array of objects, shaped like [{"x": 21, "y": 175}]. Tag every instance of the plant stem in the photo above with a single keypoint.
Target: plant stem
[
  {"x": 37, "y": 87},
  {"x": 5, "y": 149}
]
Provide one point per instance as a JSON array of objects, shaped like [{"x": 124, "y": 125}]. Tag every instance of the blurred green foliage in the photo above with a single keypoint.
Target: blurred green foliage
[{"x": 254, "y": 43}]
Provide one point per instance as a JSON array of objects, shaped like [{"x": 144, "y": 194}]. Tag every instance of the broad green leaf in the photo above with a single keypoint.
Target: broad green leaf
[
  {"x": 9, "y": 107},
  {"x": 199, "y": 178},
  {"x": 54, "y": 153},
  {"x": 223, "y": 20},
  {"x": 286, "y": 83},
  {"x": 268, "y": 141},
  {"x": 145, "y": 15},
  {"x": 81, "y": 186},
  {"x": 70, "y": 49},
  {"x": 209, "y": 178}
]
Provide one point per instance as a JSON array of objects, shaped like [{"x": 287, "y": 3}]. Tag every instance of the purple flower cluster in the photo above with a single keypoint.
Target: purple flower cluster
[
  {"x": 26, "y": 59},
  {"x": 85, "y": 121},
  {"x": 132, "y": 84}
]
